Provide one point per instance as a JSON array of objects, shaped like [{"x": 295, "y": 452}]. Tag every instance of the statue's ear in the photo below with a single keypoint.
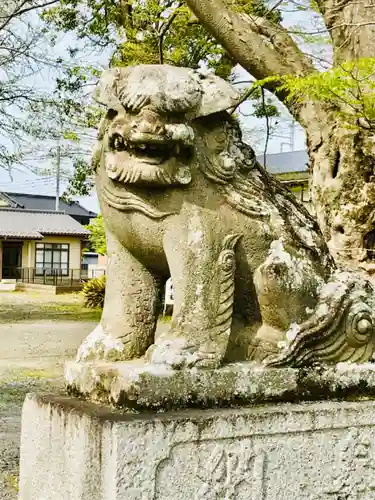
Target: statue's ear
[
  {"x": 218, "y": 95},
  {"x": 106, "y": 90}
]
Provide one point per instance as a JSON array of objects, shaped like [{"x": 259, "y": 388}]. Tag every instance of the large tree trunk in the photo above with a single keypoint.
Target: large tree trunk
[
  {"x": 342, "y": 159},
  {"x": 343, "y": 190}
]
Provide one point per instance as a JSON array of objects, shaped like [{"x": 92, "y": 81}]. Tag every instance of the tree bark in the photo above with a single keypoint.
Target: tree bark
[
  {"x": 343, "y": 191},
  {"x": 351, "y": 25},
  {"x": 342, "y": 160},
  {"x": 263, "y": 48}
]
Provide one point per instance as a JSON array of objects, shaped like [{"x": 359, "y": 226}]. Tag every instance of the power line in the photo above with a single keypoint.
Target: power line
[
  {"x": 40, "y": 188},
  {"x": 39, "y": 180},
  {"x": 23, "y": 181},
  {"x": 26, "y": 185}
]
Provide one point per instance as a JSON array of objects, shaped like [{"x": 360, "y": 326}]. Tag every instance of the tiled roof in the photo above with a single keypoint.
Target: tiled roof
[
  {"x": 34, "y": 224},
  {"x": 285, "y": 163},
  {"x": 46, "y": 203}
]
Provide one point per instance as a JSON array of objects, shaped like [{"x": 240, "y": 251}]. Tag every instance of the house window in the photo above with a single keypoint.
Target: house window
[{"x": 52, "y": 257}]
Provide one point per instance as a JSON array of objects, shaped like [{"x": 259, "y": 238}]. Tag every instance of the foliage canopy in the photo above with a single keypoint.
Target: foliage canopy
[{"x": 97, "y": 235}]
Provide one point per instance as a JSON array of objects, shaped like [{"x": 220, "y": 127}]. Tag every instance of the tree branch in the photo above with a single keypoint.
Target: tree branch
[
  {"x": 163, "y": 31},
  {"x": 351, "y": 26},
  {"x": 263, "y": 48},
  {"x": 245, "y": 96},
  {"x": 267, "y": 130},
  {"x": 20, "y": 10}
]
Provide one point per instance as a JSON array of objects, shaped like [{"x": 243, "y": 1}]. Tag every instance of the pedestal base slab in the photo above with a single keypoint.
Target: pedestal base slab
[{"x": 73, "y": 450}]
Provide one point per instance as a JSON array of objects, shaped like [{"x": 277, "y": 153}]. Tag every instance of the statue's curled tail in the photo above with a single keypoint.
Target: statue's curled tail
[{"x": 341, "y": 328}]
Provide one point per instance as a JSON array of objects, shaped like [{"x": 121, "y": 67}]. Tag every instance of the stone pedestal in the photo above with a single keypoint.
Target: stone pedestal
[
  {"x": 71, "y": 450},
  {"x": 144, "y": 386}
]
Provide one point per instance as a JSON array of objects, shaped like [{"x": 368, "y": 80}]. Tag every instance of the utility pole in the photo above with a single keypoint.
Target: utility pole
[
  {"x": 290, "y": 143},
  {"x": 292, "y": 129},
  {"x": 58, "y": 162}
]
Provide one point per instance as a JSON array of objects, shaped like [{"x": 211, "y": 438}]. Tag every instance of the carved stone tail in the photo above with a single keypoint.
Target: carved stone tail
[
  {"x": 341, "y": 329},
  {"x": 226, "y": 266}
]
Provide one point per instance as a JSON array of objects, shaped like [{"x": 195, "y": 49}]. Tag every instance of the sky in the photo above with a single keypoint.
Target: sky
[
  {"x": 23, "y": 180},
  {"x": 288, "y": 134}
]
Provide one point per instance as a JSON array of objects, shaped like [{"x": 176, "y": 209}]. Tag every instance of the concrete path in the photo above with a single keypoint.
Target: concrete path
[
  {"x": 31, "y": 359},
  {"x": 32, "y": 356}
]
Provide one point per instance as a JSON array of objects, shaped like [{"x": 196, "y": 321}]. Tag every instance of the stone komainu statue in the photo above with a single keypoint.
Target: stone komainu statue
[{"x": 182, "y": 195}]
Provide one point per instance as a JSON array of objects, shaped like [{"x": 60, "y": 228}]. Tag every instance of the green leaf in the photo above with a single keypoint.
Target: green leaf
[
  {"x": 71, "y": 136},
  {"x": 349, "y": 87},
  {"x": 97, "y": 236}
]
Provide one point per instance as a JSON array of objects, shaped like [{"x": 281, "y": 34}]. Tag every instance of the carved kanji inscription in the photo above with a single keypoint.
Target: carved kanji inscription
[{"x": 221, "y": 470}]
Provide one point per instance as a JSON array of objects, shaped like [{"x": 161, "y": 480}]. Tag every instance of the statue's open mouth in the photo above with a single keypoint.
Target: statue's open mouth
[{"x": 146, "y": 148}]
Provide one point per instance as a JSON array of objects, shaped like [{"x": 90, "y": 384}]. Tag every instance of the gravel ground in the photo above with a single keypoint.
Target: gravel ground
[
  {"x": 32, "y": 354},
  {"x": 38, "y": 333}
]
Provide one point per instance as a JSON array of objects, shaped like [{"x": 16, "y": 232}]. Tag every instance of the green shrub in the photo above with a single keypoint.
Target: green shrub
[{"x": 93, "y": 292}]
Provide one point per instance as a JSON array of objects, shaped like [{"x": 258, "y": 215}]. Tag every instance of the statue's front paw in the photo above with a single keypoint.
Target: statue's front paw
[
  {"x": 176, "y": 353},
  {"x": 261, "y": 350},
  {"x": 100, "y": 345},
  {"x": 208, "y": 361},
  {"x": 179, "y": 353}
]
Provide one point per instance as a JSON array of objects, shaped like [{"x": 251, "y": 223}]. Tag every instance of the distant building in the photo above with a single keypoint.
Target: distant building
[
  {"x": 38, "y": 245},
  {"x": 94, "y": 264},
  {"x": 46, "y": 204},
  {"x": 168, "y": 297},
  {"x": 290, "y": 168}
]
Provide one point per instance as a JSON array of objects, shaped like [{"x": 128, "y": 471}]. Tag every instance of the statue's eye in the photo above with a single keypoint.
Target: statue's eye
[
  {"x": 364, "y": 326},
  {"x": 111, "y": 114}
]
